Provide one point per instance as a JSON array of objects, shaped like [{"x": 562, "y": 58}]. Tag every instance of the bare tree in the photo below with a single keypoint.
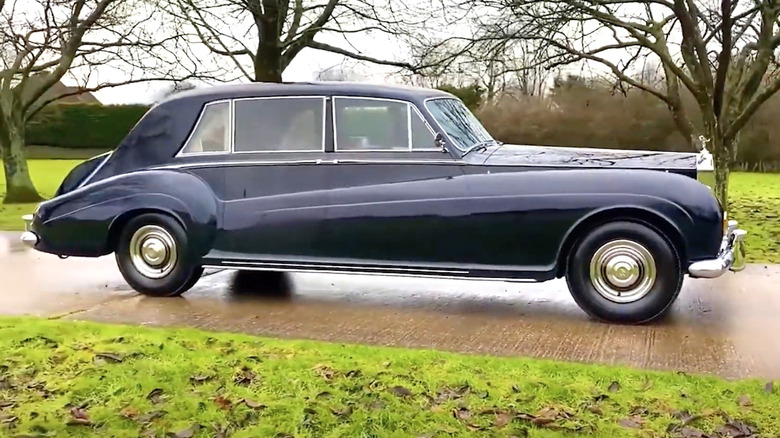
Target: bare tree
[
  {"x": 45, "y": 40},
  {"x": 459, "y": 54},
  {"x": 720, "y": 52},
  {"x": 260, "y": 38},
  {"x": 340, "y": 72}
]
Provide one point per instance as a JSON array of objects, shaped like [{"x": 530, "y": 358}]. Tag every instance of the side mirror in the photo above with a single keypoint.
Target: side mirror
[{"x": 439, "y": 142}]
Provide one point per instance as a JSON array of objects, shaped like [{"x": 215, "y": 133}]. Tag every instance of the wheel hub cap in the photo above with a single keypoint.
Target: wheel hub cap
[
  {"x": 153, "y": 251},
  {"x": 622, "y": 271}
]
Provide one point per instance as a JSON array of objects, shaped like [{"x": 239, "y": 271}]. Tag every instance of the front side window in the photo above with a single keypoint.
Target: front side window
[
  {"x": 379, "y": 125},
  {"x": 279, "y": 124},
  {"x": 458, "y": 122},
  {"x": 212, "y": 134}
]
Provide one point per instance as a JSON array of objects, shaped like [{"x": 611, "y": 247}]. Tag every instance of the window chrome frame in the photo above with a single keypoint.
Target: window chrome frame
[
  {"x": 182, "y": 153},
  {"x": 409, "y": 107},
  {"x": 232, "y": 127},
  {"x": 287, "y": 151}
]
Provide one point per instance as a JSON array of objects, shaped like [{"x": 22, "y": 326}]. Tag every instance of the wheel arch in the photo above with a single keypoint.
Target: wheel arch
[{"x": 653, "y": 219}]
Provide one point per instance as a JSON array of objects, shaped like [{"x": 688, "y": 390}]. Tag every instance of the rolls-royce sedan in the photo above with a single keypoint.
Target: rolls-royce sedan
[{"x": 381, "y": 179}]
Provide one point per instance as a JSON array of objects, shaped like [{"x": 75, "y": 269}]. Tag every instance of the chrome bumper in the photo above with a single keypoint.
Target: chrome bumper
[
  {"x": 730, "y": 256},
  {"x": 29, "y": 238}
]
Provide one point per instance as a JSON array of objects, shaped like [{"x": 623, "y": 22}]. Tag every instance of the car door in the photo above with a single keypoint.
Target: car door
[
  {"x": 275, "y": 188},
  {"x": 395, "y": 198}
]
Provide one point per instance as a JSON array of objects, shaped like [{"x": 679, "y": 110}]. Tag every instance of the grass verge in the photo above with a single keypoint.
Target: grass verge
[
  {"x": 60, "y": 378},
  {"x": 47, "y": 176},
  {"x": 754, "y": 202}
]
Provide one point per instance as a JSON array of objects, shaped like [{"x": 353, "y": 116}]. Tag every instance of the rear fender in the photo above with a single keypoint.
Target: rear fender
[{"x": 84, "y": 222}]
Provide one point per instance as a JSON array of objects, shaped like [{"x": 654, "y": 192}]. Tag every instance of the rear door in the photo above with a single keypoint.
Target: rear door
[{"x": 275, "y": 190}]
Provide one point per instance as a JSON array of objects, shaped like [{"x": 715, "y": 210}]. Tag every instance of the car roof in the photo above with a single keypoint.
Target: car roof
[{"x": 268, "y": 89}]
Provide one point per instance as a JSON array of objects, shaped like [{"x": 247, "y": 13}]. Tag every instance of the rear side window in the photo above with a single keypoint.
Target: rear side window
[
  {"x": 212, "y": 133},
  {"x": 280, "y": 124}
]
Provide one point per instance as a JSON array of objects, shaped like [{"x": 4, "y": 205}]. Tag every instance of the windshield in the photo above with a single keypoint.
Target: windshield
[{"x": 458, "y": 122}]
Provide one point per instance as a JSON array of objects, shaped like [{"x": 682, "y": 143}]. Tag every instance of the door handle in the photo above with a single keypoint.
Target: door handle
[{"x": 327, "y": 161}]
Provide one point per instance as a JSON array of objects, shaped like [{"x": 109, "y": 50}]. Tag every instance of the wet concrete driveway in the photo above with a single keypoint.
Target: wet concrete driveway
[{"x": 729, "y": 326}]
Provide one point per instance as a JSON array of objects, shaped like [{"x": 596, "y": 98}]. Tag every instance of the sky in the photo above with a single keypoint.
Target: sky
[{"x": 304, "y": 67}]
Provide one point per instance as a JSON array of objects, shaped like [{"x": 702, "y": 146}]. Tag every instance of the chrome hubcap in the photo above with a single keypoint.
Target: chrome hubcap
[
  {"x": 622, "y": 271},
  {"x": 153, "y": 251}
]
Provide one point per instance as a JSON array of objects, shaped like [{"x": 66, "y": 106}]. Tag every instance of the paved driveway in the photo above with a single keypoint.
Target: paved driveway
[{"x": 729, "y": 326}]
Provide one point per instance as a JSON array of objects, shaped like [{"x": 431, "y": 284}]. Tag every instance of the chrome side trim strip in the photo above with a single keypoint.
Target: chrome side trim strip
[
  {"x": 376, "y": 161},
  {"x": 95, "y": 171},
  {"x": 327, "y": 266},
  {"x": 357, "y": 271}
]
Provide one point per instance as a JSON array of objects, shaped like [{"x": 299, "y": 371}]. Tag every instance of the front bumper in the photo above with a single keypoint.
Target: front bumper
[{"x": 730, "y": 256}]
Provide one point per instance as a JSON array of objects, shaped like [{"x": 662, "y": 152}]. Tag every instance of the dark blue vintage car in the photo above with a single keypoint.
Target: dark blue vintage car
[{"x": 359, "y": 178}]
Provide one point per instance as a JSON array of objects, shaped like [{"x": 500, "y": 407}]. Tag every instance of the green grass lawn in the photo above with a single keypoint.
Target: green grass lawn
[
  {"x": 66, "y": 378},
  {"x": 754, "y": 202},
  {"x": 47, "y": 176}
]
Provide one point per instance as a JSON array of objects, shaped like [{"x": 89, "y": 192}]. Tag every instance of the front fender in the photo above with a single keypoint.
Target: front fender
[{"x": 80, "y": 223}]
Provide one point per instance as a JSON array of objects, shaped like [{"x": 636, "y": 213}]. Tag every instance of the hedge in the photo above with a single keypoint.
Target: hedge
[{"x": 83, "y": 125}]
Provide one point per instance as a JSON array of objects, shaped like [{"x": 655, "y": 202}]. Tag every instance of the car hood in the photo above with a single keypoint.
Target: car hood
[{"x": 510, "y": 154}]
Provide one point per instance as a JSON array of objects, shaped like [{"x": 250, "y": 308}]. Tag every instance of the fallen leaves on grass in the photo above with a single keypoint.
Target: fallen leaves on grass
[
  {"x": 685, "y": 417},
  {"x": 253, "y": 404},
  {"x": 79, "y": 417},
  {"x": 244, "y": 377},
  {"x": 8, "y": 418},
  {"x": 186, "y": 433},
  {"x": 145, "y": 418},
  {"x": 341, "y": 411},
  {"x": 222, "y": 402},
  {"x": 735, "y": 429},
  {"x": 200, "y": 378},
  {"x": 324, "y": 371},
  {"x": 632, "y": 422},
  {"x": 129, "y": 412},
  {"x": 400, "y": 391},
  {"x": 109, "y": 357},
  {"x": 155, "y": 396}
]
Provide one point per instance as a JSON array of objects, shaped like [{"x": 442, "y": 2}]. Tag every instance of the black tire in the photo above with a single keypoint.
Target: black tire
[
  {"x": 172, "y": 279},
  {"x": 608, "y": 240}
]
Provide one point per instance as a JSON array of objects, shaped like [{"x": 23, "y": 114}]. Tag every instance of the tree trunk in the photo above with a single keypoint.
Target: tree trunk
[
  {"x": 721, "y": 155},
  {"x": 19, "y": 187}
]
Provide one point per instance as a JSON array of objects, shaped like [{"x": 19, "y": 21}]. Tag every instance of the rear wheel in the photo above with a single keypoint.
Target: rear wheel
[
  {"x": 624, "y": 272},
  {"x": 151, "y": 256}
]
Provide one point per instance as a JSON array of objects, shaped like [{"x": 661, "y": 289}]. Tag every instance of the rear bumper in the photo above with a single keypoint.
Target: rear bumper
[
  {"x": 730, "y": 256},
  {"x": 29, "y": 237}
]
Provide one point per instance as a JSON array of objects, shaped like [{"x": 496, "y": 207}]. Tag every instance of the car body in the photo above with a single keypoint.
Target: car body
[{"x": 371, "y": 179}]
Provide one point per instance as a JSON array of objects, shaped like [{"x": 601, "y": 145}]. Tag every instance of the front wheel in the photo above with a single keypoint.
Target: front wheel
[
  {"x": 151, "y": 256},
  {"x": 624, "y": 272}
]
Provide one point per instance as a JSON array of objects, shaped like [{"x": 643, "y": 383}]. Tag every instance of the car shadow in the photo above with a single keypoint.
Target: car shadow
[{"x": 260, "y": 285}]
